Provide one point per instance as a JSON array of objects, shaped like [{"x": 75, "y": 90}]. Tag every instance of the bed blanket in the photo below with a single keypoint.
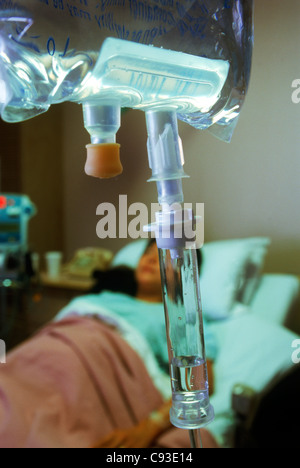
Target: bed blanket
[{"x": 72, "y": 384}]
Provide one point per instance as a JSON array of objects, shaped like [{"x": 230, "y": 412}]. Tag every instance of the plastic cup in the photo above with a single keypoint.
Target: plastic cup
[{"x": 54, "y": 262}]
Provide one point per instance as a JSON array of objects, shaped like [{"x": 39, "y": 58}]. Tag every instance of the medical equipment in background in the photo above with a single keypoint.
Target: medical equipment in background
[
  {"x": 15, "y": 213},
  {"x": 188, "y": 59}
]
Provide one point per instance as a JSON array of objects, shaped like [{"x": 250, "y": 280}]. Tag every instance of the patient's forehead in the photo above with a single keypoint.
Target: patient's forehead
[{"x": 151, "y": 249}]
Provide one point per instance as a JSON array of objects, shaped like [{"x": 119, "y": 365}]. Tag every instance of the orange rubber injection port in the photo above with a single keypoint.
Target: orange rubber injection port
[{"x": 103, "y": 160}]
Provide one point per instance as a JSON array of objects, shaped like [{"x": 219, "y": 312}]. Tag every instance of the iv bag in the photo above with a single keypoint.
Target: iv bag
[{"x": 49, "y": 51}]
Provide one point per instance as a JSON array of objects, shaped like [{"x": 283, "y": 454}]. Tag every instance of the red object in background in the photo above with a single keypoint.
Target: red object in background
[{"x": 3, "y": 202}]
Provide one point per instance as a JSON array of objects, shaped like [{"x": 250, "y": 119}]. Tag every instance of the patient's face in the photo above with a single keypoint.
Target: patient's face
[{"x": 148, "y": 271}]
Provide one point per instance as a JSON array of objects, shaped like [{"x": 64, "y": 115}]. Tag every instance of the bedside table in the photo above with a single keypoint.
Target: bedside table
[{"x": 67, "y": 282}]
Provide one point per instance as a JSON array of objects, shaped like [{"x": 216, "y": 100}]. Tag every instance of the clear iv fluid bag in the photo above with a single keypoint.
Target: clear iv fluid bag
[{"x": 51, "y": 52}]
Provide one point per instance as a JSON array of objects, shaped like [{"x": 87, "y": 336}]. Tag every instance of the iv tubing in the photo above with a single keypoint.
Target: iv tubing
[
  {"x": 191, "y": 408},
  {"x": 195, "y": 438}
]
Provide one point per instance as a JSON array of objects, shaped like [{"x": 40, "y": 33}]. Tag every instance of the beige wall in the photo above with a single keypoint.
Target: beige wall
[
  {"x": 250, "y": 187},
  {"x": 41, "y": 162}
]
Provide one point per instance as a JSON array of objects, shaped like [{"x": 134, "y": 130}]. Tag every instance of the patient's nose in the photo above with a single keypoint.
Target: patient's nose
[{"x": 153, "y": 258}]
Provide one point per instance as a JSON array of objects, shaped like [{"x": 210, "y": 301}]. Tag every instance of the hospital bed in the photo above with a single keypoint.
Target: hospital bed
[
  {"x": 78, "y": 376},
  {"x": 255, "y": 317}
]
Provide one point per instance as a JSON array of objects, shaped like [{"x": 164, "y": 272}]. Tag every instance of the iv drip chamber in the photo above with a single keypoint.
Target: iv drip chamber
[{"x": 191, "y": 408}]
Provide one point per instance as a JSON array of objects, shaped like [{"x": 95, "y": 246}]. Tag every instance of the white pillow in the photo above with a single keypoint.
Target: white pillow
[
  {"x": 224, "y": 273},
  {"x": 130, "y": 254}
]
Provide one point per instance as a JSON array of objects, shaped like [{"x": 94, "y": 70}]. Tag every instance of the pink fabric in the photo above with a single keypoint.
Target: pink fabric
[{"x": 71, "y": 385}]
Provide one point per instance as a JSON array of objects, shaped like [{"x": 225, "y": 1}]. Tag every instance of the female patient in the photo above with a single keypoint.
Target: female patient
[{"x": 78, "y": 381}]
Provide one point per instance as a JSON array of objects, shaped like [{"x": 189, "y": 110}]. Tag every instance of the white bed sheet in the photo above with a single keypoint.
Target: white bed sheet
[{"x": 252, "y": 351}]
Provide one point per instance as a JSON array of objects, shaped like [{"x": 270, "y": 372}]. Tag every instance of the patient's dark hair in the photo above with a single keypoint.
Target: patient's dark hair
[
  {"x": 122, "y": 279},
  {"x": 119, "y": 279}
]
